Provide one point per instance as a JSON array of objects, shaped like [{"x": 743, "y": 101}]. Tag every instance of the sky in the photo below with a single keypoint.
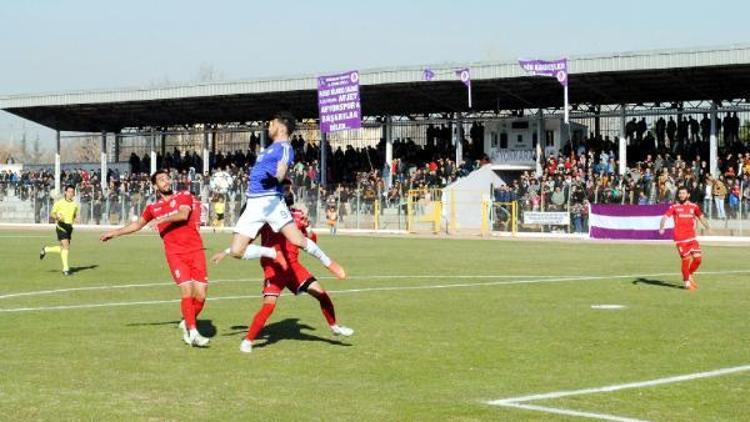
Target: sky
[{"x": 57, "y": 46}]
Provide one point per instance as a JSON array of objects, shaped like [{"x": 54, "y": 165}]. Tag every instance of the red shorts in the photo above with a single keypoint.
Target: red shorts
[
  {"x": 294, "y": 278},
  {"x": 188, "y": 267},
  {"x": 688, "y": 247}
]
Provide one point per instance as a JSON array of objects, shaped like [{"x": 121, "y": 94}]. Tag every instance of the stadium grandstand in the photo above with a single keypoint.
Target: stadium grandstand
[{"x": 641, "y": 124}]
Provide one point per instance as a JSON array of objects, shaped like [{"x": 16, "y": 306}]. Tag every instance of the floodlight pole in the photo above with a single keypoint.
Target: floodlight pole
[
  {"x": 323, "y": 153},
  {"x": 623, "y": 150},
  {"x": 153, "y": 151},
  {"x": 57, "y": 162},
  {"x": 713, "y": 145},
  {"x": 207, "y": 141},
  {"x": 458, "y": 137},
  {"x": 566, "y": 116},
  {"x": 388, "y": 135},
  {"x": 541, "y": 134},
  {"x": 103, "y": 156},
  {"x": 565, "y": 100}
]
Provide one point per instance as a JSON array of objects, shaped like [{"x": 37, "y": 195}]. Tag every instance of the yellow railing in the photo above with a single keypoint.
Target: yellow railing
[
  {"x": 513, "y": 214},
  {"x": 424, "y": 206}
]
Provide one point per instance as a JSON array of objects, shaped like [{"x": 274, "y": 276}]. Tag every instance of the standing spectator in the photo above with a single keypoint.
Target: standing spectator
[{"x": 720, "y": 194}]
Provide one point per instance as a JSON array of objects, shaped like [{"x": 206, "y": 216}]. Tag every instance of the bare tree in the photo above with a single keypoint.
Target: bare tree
[
  {"x": 82, "y": 150},
  {"x": 208, "y": 73}
]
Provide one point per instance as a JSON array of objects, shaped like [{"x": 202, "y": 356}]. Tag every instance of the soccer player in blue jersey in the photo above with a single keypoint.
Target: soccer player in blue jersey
[{"x": 265, "y": 203}]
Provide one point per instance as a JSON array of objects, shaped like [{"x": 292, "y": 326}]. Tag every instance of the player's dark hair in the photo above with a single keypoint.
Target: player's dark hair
[
  {"x": 70, "y": 187},
  {"x": 288, "y": 192},
  {"x": 287, "y": 119},
  {"x": 156, "y": 174},
  {"x": 683, "y": 188}
]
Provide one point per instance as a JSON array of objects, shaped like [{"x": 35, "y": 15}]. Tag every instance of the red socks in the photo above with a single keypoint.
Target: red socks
[
  {"x": 259, "y": 321},
  {"x": 188, "y": 312},
  {"x": 198, "y": 306},
  {"x": 326, "y": 306},
  {"x": 686, "y": 264},
  {"x": 696, "y": 263}
]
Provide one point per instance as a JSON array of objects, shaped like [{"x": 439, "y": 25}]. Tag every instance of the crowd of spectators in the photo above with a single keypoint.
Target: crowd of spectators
[
  {"x": 674, "y": 153},
  {"x": 351, "y": 173},
  {"x": 658, "y": 164}
]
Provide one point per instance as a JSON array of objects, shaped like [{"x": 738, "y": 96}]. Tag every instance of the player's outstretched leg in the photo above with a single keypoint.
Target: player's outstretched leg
[
  {"x": 63, "y": 252},
  {"x": 294, "y": 235},
  {"x": 259, "y": 320},
  {"x": 326, "y": 307},
  {"x": 242, "y": 248}
]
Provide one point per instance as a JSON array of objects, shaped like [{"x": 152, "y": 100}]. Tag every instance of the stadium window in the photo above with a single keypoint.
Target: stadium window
[{"x": 503, "y": 140}]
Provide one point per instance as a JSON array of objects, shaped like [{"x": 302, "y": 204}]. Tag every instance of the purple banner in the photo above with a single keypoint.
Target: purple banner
[
  {"x": 464, "y": 76},
  {"x": 629, "y": 222},
  {"x": 339, "y": 105},
  {"x": 623, "y": 234},
  {"x": 657, "y": 210},
  {"x": 556, "y": 68}
]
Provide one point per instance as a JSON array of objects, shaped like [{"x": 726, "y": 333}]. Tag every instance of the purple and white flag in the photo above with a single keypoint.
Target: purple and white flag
[
  {"x": 339, "y": 105},
  {"x": 629, "y": 222},
  {"x": 465, "y": 76},
  {"x": 556, "y": 68},
  {"x": 428, "y": 74}
]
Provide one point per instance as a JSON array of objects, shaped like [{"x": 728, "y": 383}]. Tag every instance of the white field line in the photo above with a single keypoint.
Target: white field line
[
  {"x": 570, "y": 412},
  {"x": 356, "y": 277},
  {"x": 522, "y": 401},
  {"x": 345, "y": 291},
  {"x": 367, "y": 289},
  {"x": 235, "y": 280}
]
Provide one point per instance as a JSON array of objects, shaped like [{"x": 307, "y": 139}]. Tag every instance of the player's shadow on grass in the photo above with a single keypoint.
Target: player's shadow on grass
[
  {"x": 205, "y": 326},
  {"x": 288, "y": 329},
  {"x": 658, "y": 283},
  {"x": 74, "y": 270}
]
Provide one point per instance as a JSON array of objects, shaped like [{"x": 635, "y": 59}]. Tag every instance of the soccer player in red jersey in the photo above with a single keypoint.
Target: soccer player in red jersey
[
  {"x": 684, "y": 214},
  {"x": 177, "y": 217},
  {"x": 293, "y": 276}
]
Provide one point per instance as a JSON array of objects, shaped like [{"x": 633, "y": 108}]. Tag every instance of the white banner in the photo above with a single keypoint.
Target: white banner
[{"x": 547, "y": 218}]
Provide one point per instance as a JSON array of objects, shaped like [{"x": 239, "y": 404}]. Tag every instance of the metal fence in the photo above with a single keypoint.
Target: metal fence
[{"x": 365, "y": 206}]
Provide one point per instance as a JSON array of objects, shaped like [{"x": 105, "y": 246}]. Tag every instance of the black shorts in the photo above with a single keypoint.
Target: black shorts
[
  {"x": 219, "y": 217},
  {"x": 64, "y": 231}
]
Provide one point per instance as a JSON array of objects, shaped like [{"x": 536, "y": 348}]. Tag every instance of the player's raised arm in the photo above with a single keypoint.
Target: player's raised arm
[{"x": 125, "y": 230}]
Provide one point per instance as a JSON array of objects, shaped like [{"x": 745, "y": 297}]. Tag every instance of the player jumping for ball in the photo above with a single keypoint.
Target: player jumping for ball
[{"x": 265, "y": 204}]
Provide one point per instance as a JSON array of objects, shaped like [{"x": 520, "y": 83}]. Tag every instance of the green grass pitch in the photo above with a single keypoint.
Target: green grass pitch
[{"x": 438, "y": 333}]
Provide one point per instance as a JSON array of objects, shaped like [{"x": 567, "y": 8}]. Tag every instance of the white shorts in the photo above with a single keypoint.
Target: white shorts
[{"x": 262, "y": 210}]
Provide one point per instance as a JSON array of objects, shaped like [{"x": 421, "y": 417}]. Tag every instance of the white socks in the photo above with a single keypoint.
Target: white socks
[
  {"x": 315, "y": 251},
  {"x": 254, "y": 252}
]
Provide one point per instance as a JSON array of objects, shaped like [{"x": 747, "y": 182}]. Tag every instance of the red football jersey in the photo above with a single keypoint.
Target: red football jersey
[
  {"x": 684, "y": 219},
  {"x": 271, "y": 239},
  {"x": 182, "y": 237}
]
